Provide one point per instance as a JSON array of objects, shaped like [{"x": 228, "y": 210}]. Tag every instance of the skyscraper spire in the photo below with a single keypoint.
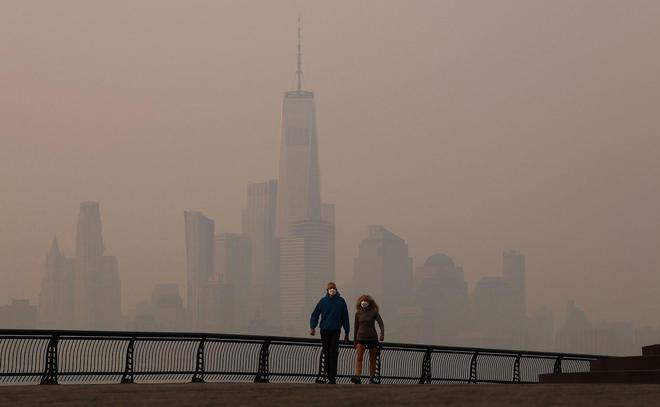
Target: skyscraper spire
[
  {"x": 55, "y": 247},
  {"x": 299, "y": 70}
]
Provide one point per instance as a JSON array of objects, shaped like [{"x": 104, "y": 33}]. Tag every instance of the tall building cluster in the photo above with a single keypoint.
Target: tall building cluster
[
  {"x": 267, "y": 278},
  {"x": 82, "y": 292}
]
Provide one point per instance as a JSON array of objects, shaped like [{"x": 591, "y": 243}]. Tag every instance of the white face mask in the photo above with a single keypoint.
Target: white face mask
[
  {"x": 332, "y": 291},
  {"x": 364, "y": 304}
]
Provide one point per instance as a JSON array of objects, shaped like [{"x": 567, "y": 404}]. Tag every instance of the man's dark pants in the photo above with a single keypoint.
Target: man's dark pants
[{"x": 330, "y": 341}]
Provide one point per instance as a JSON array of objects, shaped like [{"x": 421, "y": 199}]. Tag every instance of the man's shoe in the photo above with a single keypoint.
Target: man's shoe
[
  {"x": 373, "y": 381},
  {"x": 356, "y": 380},
  {"x": 332, "y": 381}
]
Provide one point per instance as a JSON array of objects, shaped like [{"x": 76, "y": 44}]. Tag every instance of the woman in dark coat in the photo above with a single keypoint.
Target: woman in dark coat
[{"x": 365, "y": 335}]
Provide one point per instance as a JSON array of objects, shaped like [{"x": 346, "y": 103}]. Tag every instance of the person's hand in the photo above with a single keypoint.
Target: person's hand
[
  {"x": 382, "y": 337},
  {"x": 312, "y": 332}
]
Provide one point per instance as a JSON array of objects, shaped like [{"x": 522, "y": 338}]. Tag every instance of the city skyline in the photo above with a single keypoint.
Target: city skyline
[{"x": 574, "y": 227}]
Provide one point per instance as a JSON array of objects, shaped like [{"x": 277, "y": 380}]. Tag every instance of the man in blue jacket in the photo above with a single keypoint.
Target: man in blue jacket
[{"x": 334, "y": 315}]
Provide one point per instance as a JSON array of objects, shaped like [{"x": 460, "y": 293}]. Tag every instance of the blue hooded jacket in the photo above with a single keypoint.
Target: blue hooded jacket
[{"x": 333, "y": 313}]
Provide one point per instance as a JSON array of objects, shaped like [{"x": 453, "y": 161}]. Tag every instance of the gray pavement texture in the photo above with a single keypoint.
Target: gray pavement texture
[{"x": 265, "y": 395}]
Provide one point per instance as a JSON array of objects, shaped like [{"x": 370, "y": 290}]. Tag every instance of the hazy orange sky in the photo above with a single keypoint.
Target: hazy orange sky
[{"x": 466, "y": 127}]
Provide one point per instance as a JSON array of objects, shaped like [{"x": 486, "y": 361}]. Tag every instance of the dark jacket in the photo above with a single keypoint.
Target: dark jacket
[
  {"x": 333, "y": 313},
  {"x": 365, "y": 325}
]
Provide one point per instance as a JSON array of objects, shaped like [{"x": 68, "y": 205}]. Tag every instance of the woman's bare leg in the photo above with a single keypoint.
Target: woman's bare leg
[
  {"x": 359, "y": 355},
  {"x": 373, "y": 353}
]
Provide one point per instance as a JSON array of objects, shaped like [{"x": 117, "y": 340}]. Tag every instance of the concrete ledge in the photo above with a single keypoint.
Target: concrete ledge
[
  {"x": 651, "y": 350},
  {"x": 626, "y": 363},
  {"x": 604, "y": 376},
  {"x": 294, "y": 395}
]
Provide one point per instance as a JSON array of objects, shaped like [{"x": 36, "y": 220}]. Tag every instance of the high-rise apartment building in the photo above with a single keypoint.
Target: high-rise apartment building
[
  {"x": 167, "y": 308},
  {"x": 259, "y": 218},
  {"x": 513, "y": 271},
  {"x": 97, "y": 291},
  {"x": 218, "y": 312},
  {"x": 540, "y": 331},
  {"x": 442, "y": 296},
  {"x": 576, "y": 335},
  {"x": 307, "y": 263},
  {"x": 56, "y": 295},
  {"x": 232, "y": 268},
  {"x": 163, "y": 312},
  {"x": 499, "y": 305},
  {"x": 384, "y": 270},
  {"x": 493, "y": 314},
  {"x": 199, "y": 262}
]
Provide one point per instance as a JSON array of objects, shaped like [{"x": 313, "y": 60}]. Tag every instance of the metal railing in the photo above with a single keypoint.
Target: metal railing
[{"x": 67, "y": 357}]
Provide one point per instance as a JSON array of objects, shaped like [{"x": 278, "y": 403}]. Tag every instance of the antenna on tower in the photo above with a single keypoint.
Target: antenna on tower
[{"x": 299, "y": 70}]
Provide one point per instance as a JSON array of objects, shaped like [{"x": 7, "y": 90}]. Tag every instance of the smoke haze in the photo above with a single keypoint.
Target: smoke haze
[{"x": 465, "y": 128}]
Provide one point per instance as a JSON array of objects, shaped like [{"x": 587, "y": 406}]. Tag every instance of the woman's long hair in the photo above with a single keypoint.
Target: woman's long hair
[{"x": 367, "y": 298}]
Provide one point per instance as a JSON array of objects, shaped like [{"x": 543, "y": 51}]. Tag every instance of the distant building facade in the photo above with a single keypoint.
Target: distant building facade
[
  {"x": 540, "y": 331},
  {"x": 576, "y": 334},
  {"x": 442, "y": 296},
  {"x": 493, "y": 313},
  {"x": 307, "y": 263},
  {"x": 97, "y": 291},
  {"x": 513, "y": 271},
  {"x": 199, "y": 263},
  {"x": 167, "y": 308},
  {"x": 299, "y": 185},
  {"x": 163, "y": 312},
  {"x": 499, "y": 306},
  {"x": 57, "y": 291},
  {"x": 259, "y": 219},
  {"x": 19, "y": 314},
  {"x": 579, "y": 335},
  {"x": 384, "y": 270},
  {"x": 232, "y": 273}
]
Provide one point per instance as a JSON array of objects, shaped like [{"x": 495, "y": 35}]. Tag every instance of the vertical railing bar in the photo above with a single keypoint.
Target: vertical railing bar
[
  {"x": 425, "y": 377},
  {"x": 516, "y": 369},
  {"x": 50, "y": 371},
  {"x": 198, "y": 377},
  {"x": 128, "y": 377},
  {"x": 321, "y": 376},
  {"x": 557, "y": 367},
  {"x": 377, "y": 372},
  {"x": 262, "y": 375},
  {"x": 473, "y": 368}
]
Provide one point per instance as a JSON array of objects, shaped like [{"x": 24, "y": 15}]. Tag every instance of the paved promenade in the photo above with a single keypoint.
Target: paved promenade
[{"x": 294, "y": 395}]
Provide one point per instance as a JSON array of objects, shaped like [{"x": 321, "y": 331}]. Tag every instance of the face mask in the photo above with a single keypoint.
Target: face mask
[
  {"x": 364, "y": 304},
  {"x": 332, "y": 291}
]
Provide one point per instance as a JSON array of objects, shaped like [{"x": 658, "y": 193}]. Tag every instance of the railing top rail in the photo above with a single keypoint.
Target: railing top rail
[{"x": 110, "y": 335}]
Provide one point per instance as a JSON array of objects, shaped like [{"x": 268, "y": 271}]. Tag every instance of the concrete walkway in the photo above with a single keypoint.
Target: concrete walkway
[{"x": 265, "y": 395}]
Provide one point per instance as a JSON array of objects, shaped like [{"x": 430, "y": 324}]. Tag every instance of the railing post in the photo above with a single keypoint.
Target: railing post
[
  {"x": 198, "y": 377},
  {"x": 127, "y": 377},
  {"x": 321, "y": 377},
  {"x": 516, "y": 369},
  {"x": 50, "y": 373},
  {"x": 473, "y": 368},
  {"x": 262, "y": 375},
  {"x": 426, "y": 367},
  {"x": 377, "y": 372},
  {"x": 557, "y": 367}
]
